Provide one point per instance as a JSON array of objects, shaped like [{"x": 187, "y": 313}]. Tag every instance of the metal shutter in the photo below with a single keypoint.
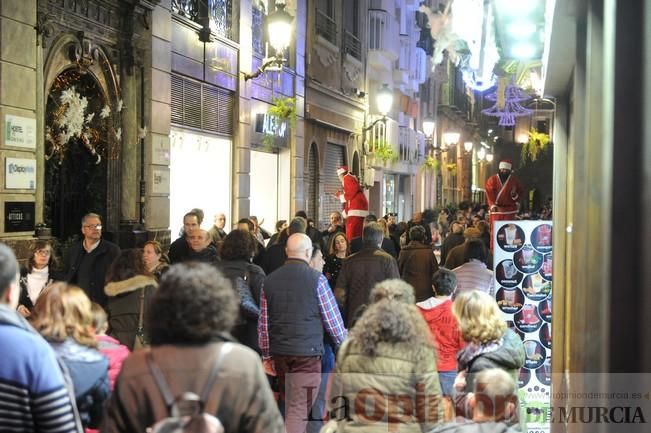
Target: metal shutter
[
  {"x": 202, "y": 106},
  {"x": 335, "y": 158},
  {"x": 313, "y": 184}
]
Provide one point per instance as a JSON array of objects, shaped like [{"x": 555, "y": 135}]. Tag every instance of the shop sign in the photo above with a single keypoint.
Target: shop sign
[
  {"x": 19, "y": 216},
  {"x": 161, "y": 181},
  {"x": 20, "y": 131},
  {"x": 523, "y": 282},
  {"x": 20, "y": 173}
]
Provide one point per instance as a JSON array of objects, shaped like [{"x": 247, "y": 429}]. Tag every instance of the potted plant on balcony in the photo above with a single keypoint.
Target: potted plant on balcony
[
  {"x": 382, "y": 152},
  {"x": 431, "y": 164}
]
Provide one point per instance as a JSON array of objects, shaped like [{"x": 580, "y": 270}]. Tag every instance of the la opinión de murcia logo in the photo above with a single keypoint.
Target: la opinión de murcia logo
[{"x": 15, "y": 168}]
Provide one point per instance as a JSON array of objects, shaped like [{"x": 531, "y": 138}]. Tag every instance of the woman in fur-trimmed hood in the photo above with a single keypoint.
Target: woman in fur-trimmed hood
[{"x": 128, "y": 281}]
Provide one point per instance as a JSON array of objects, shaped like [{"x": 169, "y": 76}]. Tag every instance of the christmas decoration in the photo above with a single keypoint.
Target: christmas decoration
[{"x": 507, "y": 104}]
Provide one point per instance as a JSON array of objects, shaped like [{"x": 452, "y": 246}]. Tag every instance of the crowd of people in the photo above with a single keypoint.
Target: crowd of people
[{"x": 288, "y": 332}]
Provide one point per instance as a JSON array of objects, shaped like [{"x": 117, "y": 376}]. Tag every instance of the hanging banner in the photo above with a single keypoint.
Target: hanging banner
[{"x": 522, "y": 260}]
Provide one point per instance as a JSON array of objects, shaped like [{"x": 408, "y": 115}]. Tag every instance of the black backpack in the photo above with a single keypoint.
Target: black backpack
[{"x": 187, "y": 411}]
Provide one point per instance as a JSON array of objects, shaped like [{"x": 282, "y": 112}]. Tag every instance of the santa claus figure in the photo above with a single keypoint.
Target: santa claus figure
[
  {"x": 355, "y": 203},
  {"x": 503, "y": 192}
]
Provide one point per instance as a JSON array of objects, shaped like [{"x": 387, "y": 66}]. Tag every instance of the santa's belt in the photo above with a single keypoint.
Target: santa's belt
[
  {"x": 504, "y": 212},
  {"x": 355, "y": 213}
]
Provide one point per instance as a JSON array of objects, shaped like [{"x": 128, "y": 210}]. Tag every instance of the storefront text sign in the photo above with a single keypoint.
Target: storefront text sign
[
  {"x": 19, "y": 216},
  {"x": 20, "y": 131},
  {"x": 161, "y": 181},
  {"x": 20, "y": 173}
]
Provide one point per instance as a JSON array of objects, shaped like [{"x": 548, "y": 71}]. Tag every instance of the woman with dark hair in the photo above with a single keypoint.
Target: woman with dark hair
[
  {"x": 191, "y": 315},
  {"x": 62, "y": 315},
  {"x": 130, "y": 288},
  {"x": 391, "y": 345},
  {"x": 238, "y": 250},
  {"x": 280, "y": 226},
  {"x": 339, "y": 250},
  {"x": 474, "y": 274},
  {"x": 39, "y": 273}
]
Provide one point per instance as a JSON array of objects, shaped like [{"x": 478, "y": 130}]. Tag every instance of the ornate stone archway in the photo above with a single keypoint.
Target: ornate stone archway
[{"x": 82, "y": 109}]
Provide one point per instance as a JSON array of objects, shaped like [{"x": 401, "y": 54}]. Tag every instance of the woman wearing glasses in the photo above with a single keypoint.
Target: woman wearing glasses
[{"x": 39, "y": 273}]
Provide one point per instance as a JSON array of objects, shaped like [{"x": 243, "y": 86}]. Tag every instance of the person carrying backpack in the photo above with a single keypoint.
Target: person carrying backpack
[{"x": 189, "y": 323}]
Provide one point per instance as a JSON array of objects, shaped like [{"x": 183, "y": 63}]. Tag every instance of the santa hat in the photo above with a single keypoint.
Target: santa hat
[
  {"x": 342, "y": 170},
  {"x": 505, "y": 164}
]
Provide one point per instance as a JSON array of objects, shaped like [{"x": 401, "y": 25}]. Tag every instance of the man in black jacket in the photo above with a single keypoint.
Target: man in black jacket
[{"x": 89, "y": 259}]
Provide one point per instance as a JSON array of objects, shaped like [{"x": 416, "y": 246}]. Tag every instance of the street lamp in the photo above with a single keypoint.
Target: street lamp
[
  {"x": 384, "y": 100},
  {"x": 279, "y": 31},
  {"x": 489, "y": 157},
  {"x": 428, "y": 127},
  {"x": 468, "y": 145},
  {"x": 450, "y": 138},
  {"x": 481, "y": 153}
]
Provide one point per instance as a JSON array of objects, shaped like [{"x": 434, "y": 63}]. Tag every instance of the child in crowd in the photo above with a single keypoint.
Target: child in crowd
[{"x": 109, "y": 346}]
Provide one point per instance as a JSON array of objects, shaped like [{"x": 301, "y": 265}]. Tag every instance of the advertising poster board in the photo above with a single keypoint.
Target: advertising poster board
[{"x": 522, "y": 260}]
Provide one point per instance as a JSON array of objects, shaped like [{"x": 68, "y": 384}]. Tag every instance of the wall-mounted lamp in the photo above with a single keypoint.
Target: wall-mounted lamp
[
  {"x": 481, "y": 153},
  {"x": 468, "y": 145},
  {"x": 450, "y": 138},
  {"x": 428, "y": 127},
  {"x": 489, "y": 157},
  {"x": 384, "y": 101},
  {"x": 279, "y": 29}
]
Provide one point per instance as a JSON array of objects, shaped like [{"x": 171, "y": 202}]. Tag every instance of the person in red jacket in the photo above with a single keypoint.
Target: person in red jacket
[
  {"x": 448, "y": 340},
  {"x": 356, "y": 204},
  {"x": 503, "y": 192}
]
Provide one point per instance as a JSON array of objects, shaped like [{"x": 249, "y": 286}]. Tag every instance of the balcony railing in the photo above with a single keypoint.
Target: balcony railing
[
  {"x": 220, "y": 13},
  {"x": 326, "y": 27},
  {"x": 352, "y": 45},
  {"x": 378, "y": 28}
]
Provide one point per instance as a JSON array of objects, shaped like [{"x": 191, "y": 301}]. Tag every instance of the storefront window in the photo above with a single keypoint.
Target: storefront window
[{"x": 389, "y": 193}]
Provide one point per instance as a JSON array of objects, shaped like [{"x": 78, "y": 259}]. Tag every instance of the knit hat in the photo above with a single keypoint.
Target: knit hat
[
  {"x": 342, "y": 170},
  {"x": 505, "y": 164}
]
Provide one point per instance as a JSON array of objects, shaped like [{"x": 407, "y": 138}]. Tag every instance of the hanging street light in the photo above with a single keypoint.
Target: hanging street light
[
  {"x": 481, "y": 153},
  {"x": 428, "y": 127},
  {"x": 450, "y": 138},
  {"x": 489, "y": 157},
  {"x": 468, "y": 145},
  {"x": 384, "y": 100},
  {"x": 279, "y": 31}
]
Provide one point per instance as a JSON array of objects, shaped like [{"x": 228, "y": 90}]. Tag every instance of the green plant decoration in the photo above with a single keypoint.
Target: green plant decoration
[
  {"x": 431, "y": 164},
  {"x": 538, "y": 142},
  {"x": 383, "y": 151},
  {"x": 282, "y": 110},
  {"x": 452, "y": 168}
]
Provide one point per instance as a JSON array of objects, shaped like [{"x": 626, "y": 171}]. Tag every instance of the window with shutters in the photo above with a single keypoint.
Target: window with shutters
[
  {"x": 313, "y": 183},
  {"x": 335, "y": 158},
  {"x": 201, "y": 106}
]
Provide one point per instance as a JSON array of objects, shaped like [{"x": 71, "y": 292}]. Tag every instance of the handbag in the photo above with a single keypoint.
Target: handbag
[{"x": 141, "y": 341}]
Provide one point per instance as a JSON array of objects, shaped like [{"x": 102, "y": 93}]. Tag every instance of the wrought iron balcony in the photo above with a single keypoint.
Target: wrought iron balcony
[
  {"x": 219, "y": 13},
  {"x": 352, "y": 45},
  {"x": 326, "y": 27}
]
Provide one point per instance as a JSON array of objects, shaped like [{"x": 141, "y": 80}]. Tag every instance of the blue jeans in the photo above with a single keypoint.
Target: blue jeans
[
  {"x": 447, "y": 382},
  {"x": 317, "y": 414}
]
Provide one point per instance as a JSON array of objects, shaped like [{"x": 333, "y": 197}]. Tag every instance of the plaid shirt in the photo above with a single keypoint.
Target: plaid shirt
[{"x": 330, "y": 316}]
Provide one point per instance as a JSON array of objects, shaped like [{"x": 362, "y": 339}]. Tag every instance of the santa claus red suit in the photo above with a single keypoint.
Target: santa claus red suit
[
  {"x": 503, "y": 192},
  {"x": 355, "y": 203}
]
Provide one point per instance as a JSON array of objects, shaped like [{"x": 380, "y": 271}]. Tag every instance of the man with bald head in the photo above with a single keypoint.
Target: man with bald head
[{"x": 296, "y": 305}]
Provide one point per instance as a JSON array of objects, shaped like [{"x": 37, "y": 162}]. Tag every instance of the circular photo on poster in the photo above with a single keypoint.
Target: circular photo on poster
[
  {"x": 546, "y": 269},
  {"x": 523, "y": 377},
  {"x": 510, "y": 237},
  {"x": 511, "y": 325},
  {"x": 510, "y": 301},
  {"x": 541, "y": 238},
  {"x": 535, "y": 354},
  {"x": 527, "y": 319},
  {"x": 544, "y": 372},
  {"x": 528, "y": 260},
  {"x": 545, "y": 310},
  {"x": 545, "y": 335},
  {"x": 507, "y": 274},
  {"x": 535, "y": 287}
]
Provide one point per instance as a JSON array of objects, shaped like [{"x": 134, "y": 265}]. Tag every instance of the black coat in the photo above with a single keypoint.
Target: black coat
[
  {"x": 357, "y": 244},
  {"x": 105, "y": 254},
  {"x": 24, "y": 294}
]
